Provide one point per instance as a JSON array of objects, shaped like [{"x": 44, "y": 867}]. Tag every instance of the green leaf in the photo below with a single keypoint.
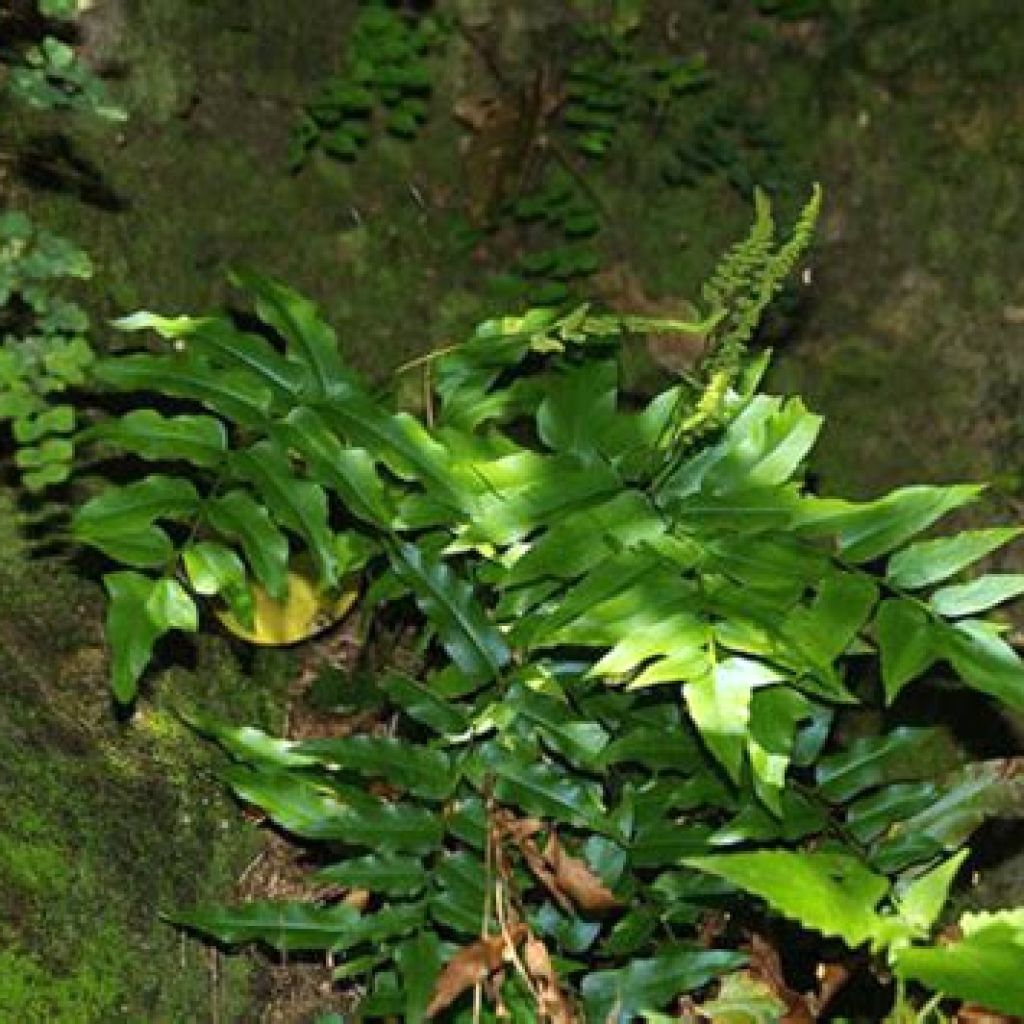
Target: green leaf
[
  {"x": 743, "y": 999},
  {"x": 246, "y": 743},
  {"x": 505, "y": 499},
  {"x": 984, "y": 661},
  {"x": 472, "y": 641},
  {"x": 579, "y": 404},
  {"x": 234, "y": 394},
  {"x": 907, "y": 642},
  {"x": 719, "y": 705},
  {"x": 121, "y": 521},
  {"x": 425, "y": 706},
  {"x": 577, "y": 542},
  {"x": 389, "y": 874},
  {"x": 213, "y": 568},
  {"x": 399, "y": 441},
  {"x": 201, "y": 440},
  {"x": 417, "y": 769},
  {"x": 460, "y": 891},
  {"x": 240, "y": 517},
  {"x": 170, "y": 607},
  {"x": 869, "y": 816},
  {"x": 831, "y": 893},
  {"x": 308, "y": 339},
  {"x": 349, "y": 472},
  {"x": 312, "y": 812},
  {"x": 130, "y": 630},
  {"x": 297, "y": 504},
  {"x": 827, "y": 628},
  {"x": 977, "y": 596},
  {"x": 932, "y": 561},
  {"x": 216, "y": 339},
  {"x": 616, "y": 997},
  {"x": 922, "y": 901},
  {"x": 904, "y": 754},
  {"x": 419, "y": 963},
  {"x": 285, "y": 926},
  {"x": 965, "y": 800},
  {"x": 985, "y": 966},
  {"x": 542, "y": 789},
  {"x": 867, "y": 530}
]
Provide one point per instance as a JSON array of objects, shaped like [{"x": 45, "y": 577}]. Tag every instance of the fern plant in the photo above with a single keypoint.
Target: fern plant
[
  {"x": 636, "y": 628},
  {"x": 385, "y": 84},
  {"x": 43, "y": 347},
  {"x": 51, "y": 76}
]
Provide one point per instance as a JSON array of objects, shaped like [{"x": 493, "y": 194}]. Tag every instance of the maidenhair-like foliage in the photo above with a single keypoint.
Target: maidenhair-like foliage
[{"x": 634, "y": 636}]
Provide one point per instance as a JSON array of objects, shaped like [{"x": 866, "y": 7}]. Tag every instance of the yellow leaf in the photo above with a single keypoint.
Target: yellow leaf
[{"x": 306, "y": 612}]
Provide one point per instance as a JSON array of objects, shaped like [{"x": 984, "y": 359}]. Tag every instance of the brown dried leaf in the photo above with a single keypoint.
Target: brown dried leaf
[
  {"x": 472, "y": 965},
  {"x": 554, "y": 1005},
  {"x": 574, "y": 878},
  {"x": 766, "y": 966}
]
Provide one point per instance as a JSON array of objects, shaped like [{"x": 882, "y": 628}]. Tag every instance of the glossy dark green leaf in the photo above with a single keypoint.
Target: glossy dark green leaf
[
  {"x": 308, "y": 339},
  {"x": 130, "y": 631},
  {"x": 238, "y": 516},
  {"x": 907, "y": 642},
  {"x": 869, "y": 816},
  {"x": 967, "y": 798},
  {"x": 581, "y": 540},
  {"x": 311, "y": 811},
  {"x": 419, "y": 961},
  {"x": 544, "y": 790},
  {"x": 247, "y": 743},
  {"x": 216, "y": 339},
  {"x": 389, "y": 874},
  {"x": 201, "y": 440},
  {"x": 285, "y": 926},
  {"x": 236, "y": 395},
  {"x": 349, "y": 472},
  {"x": 905, "y": 754},
  {"x": 472, "y": 641},
  {"x": 425, "y": 705},
  {"x": 619, "y": 996},
  {"x": 399, "y": 441},
  {"x": 298, "y": 505},
  {"x": 984, "y": 661},
  {"x": 417, "y": 769},
  {"x": 460, "y": 892},
  {"x": 121, "y": 520},
  {"x": 661, "y": 843}
]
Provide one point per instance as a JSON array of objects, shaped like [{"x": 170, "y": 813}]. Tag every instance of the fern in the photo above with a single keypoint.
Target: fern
[
  {"x": 43, "y": 347},
  {"x": 622, "y": 672}
]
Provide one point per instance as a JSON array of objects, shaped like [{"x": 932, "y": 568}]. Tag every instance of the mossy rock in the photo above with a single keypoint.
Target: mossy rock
[{"x": 108, "y": 822}]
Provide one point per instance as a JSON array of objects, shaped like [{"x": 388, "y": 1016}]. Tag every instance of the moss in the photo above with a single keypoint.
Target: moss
[{"x": 108, "y": 824}]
